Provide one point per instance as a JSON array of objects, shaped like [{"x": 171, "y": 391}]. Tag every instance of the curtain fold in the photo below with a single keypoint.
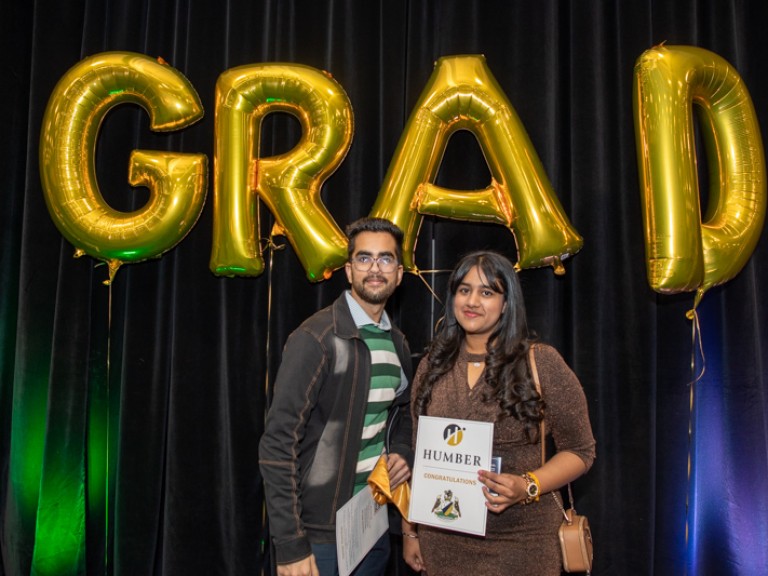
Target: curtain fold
[{"x": 130, "y": 414}]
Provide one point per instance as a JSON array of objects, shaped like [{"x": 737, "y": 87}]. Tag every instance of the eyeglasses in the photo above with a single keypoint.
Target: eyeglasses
[{"x": 364, "y": 262}]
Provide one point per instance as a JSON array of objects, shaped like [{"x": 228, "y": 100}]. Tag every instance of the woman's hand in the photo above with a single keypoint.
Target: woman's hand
[
  {"x": 562, "y": 468},
  {"x": 411, "y": 546},
  {"x": 510, "y": 490},
  {"x": 412, "y": 552}
]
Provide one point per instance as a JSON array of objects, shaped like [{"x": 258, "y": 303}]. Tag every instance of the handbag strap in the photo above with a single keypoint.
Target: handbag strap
[{"x": 535, "y": 375}]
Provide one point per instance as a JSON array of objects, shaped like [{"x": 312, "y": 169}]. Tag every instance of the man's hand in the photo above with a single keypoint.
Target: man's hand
[
  {"x": 398, "y": 470},
  {"x": 306, "y": 567}
]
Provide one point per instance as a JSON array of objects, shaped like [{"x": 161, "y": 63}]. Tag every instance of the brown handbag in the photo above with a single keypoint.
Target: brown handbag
[
  {"x": 574, "y": 533},
  {"x": 575, "y": 538}
]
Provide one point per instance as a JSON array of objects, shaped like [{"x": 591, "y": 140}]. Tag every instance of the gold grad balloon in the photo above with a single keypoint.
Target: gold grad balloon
[
  {"x": 682, "y": 252},
  {"x": 177, "y": 182},
  {"x": 462, "y": 94},
  {"x": 289, "y": 183}
]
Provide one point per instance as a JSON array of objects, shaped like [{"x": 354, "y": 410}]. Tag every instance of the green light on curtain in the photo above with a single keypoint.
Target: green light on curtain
[
  {"x": 60, "y": 536},
  {"x": 61, "y": 517},
  {"x": 98, "y": 438},
  {"x": 27, "y": 443},
  {"x": 100, "y": 463}
]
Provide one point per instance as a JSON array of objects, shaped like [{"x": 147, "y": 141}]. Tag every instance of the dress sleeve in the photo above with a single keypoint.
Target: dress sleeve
[{"x": 566, "y": 415}]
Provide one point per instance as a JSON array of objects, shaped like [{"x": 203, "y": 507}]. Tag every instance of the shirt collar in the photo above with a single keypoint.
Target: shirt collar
[{"x": 361, "y": 318}]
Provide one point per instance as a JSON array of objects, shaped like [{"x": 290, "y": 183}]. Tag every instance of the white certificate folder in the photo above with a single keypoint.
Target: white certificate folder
[{"x": 445, "y": 491}]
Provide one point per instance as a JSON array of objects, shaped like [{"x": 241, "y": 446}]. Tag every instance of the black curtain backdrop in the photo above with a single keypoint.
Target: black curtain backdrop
[{"x": 132, "y": 413}]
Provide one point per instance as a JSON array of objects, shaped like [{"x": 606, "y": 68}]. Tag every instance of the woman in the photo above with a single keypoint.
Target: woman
[{"x": 477, "y": 368}]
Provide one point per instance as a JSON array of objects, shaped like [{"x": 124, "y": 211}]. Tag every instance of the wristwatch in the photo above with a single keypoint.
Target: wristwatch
[{"x": 531, "y": 488}]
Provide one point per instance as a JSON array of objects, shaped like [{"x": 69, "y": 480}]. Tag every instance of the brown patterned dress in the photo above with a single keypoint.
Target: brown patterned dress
[{"x": 521, "y": 539}]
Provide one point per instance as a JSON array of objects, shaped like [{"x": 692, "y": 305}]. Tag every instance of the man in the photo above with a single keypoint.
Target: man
[{"x": 340, "y": 398}]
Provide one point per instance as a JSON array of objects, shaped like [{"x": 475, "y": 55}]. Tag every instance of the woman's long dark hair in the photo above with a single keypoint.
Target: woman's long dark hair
[{"x": 506, "y": 363}]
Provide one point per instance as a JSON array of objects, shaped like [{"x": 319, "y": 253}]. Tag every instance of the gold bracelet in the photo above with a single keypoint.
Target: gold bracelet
[{"x": 410, "y": 535}]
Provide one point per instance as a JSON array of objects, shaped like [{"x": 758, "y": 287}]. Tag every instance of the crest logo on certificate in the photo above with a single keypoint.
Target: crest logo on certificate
[{"x": 445, "y": 491}]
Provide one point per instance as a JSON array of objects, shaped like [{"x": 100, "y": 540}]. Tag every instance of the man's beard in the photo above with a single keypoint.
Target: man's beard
[{"x": 379, "y": 296}]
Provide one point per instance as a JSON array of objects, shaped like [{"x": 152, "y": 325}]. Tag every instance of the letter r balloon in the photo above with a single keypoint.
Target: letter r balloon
[
  {"x": 289, "y": 184},
  {"x": 682, "y": 252}
]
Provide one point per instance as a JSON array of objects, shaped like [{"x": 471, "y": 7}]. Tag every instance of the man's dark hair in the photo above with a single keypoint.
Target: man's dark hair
[{"x": 374, "y": 225}]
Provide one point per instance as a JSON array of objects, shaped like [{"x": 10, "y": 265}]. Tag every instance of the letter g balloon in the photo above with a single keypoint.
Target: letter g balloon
[{"x": 177, "y": 182}]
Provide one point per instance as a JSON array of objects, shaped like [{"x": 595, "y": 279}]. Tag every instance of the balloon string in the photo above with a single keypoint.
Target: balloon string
[
  {"x": 265, "y": 244},
  {"x": 106, "y": 475},
  {"x": 272, "y": 248},
  {"x": 696, "y": 343},
  {"x": 420, "y": 274},
  {"x": 270, "y": 245}
]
